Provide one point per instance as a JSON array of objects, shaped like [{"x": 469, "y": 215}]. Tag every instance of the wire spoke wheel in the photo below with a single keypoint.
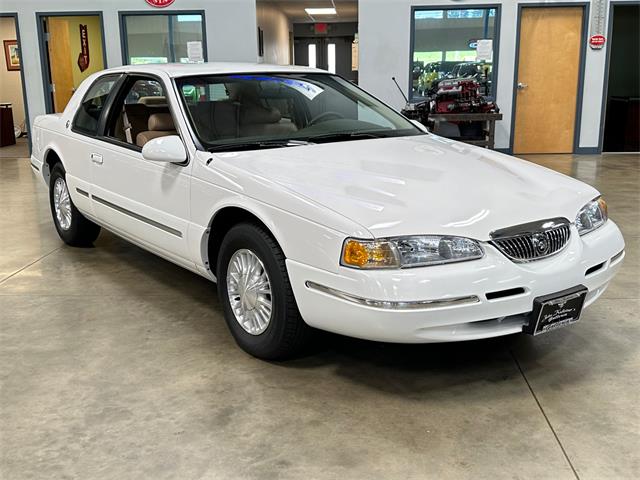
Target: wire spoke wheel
[{"x": 249, "y": 291}]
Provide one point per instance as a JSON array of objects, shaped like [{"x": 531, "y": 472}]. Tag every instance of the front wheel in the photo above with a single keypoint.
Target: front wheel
[
  {"x": 72, "y": 227},
  {"x": 256, "y": 295}
]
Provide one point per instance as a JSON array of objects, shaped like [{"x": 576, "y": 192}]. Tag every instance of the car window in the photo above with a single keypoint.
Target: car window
[
  {"x": 88, "y": 115},
  {"x": 141, "y": 113},
  {"x": 242, "y": 108}
]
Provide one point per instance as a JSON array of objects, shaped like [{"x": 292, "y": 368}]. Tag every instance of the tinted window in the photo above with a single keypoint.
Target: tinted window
[{"x": 90, "y": 109}]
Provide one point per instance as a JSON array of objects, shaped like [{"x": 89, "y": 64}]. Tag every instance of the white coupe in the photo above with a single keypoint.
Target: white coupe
[{"x": 314, "y": 205}]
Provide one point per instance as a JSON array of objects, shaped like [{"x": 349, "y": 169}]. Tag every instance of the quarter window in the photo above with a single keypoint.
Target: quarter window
[{"x": 88, "y": 115}]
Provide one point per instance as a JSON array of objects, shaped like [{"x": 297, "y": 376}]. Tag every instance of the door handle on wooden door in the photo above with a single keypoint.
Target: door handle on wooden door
[
  {"x": 96, "y": 158},
  {"x": 522, "y": 86}
]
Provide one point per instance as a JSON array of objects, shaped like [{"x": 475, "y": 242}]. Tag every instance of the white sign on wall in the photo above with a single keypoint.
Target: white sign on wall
[
  {"x": 194, "y": 52},
  {"x": 484, "y": 50}
]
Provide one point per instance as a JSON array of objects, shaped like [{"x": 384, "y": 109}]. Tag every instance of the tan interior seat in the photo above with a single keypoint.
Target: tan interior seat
[{"x": 159, "y": 125}]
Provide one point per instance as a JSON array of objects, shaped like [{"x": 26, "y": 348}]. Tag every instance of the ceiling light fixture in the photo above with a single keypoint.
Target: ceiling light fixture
[{"x": 320, "y": 11}]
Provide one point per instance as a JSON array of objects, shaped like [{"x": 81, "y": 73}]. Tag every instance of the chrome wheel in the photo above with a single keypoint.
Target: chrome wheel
[
  {"x": 249, "y": 291},
  {"x": 62, "y": 203}
]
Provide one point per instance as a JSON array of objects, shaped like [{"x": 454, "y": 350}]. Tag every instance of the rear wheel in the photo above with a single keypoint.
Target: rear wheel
[
  {"x": 72, "y": 227},
  {"x": 256, "y": 295}
]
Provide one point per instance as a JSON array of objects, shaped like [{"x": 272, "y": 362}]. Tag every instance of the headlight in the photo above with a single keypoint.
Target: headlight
[
  {"x": 593, "y": 215},
  {"x": 413, "y": 251}
]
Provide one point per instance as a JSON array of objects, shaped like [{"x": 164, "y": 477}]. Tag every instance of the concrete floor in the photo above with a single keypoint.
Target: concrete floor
[{"x": 117, "y": 364}]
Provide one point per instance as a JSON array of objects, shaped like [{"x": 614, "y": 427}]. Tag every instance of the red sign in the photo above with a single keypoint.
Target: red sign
[
  {"x": 83, "y": 57},
  {"x": 596, "y": 42},
  {"x": 160, "y": 3},
  {"x": 321, "y": 28}
]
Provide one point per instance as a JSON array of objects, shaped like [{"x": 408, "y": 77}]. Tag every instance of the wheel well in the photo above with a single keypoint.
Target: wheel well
[
  {"x": 222, "y": 222},
  {"x": 50, "y": 160}
]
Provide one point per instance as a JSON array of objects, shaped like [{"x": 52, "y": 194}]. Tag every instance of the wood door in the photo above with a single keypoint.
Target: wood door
[
  {"x": 60, "y": 62},
  {"x": 548, "y": 73}
]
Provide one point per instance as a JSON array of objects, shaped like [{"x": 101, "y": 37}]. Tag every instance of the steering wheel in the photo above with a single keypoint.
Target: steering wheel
[{"x": 324, "y": 116}]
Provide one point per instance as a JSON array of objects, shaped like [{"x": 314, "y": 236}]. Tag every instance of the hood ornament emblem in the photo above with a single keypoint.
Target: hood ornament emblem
[{"x": 540, "y": 243}]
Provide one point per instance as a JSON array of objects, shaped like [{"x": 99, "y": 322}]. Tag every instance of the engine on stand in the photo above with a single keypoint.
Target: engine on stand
[{"x": 460, "y": 95}]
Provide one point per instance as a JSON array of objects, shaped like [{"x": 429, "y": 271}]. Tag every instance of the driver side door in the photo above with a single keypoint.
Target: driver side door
[{"x": 143, "y": 200}]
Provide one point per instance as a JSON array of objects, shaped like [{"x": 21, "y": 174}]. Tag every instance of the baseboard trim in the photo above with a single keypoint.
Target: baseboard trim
[{"x": 588, "y": 151}]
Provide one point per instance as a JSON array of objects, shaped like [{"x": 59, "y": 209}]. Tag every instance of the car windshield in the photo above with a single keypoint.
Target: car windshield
[{"x": 231, "y": 112}]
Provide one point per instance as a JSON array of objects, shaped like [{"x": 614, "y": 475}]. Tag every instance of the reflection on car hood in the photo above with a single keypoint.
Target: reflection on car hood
[{"x": 421, "y": 184}]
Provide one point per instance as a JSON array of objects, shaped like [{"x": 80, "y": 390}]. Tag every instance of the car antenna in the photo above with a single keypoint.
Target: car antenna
[{"x": 400, "y": 90}]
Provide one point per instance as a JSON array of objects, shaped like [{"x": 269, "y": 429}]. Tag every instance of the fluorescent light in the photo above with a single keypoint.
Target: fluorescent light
[{"x": 320, "y": 11}]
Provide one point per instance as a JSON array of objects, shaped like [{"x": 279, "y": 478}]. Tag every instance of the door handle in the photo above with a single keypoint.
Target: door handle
[
  {"x": 96, "y": 158},
  {"x": 522, "y": 86}
]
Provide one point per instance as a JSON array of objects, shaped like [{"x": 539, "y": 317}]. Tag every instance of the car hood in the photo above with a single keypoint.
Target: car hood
[{"x": 419, "y": 185}]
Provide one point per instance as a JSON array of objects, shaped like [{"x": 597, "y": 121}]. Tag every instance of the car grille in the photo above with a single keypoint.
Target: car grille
[{"x": 533, "y": 241}]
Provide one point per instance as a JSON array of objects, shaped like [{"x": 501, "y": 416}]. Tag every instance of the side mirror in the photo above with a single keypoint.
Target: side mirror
[
  {"x": 169, "y": 149},
  {"x": 420, "y": 126}
]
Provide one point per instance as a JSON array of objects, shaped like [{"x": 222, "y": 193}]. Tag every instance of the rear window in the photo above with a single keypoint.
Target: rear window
[{"x": 88, "y": 115}]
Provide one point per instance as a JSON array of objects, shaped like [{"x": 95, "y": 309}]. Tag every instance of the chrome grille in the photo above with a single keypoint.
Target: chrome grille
[{"x": 533, "y": 241}]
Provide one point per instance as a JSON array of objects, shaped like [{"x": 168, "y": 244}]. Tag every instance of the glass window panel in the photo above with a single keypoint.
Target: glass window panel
[
  {"x": 86, "y": 120},
  {"x": 443, "y": 39},
  {"x": 331, "y": 57},
  {"x": 312, "y": 55},
  {"x": 185, "y": 31},
  {"x": 161, "y": 38},
  {"x": 147, "y": 38}
]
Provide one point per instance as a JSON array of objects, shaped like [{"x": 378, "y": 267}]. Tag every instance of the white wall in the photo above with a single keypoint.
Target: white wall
[
  {"x": 385, "y": 52},
  {"x": 276, "y": 27},
  {"x": 231, "y": 32},
  {"x": 10, "y": 84}
]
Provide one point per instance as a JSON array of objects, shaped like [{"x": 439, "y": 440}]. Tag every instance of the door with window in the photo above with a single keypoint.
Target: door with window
[
  {"x": 144, "y": 199},
  {"x": 81, "y": 137}
]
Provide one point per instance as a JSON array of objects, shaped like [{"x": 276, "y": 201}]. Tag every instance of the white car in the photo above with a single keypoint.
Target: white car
[{"x": 312, "y": 204}]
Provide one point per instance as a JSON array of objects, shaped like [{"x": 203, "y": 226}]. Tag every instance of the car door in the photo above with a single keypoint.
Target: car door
[
  {"x": 144, "y": 200},
  {"x": 79, "y": 142}
]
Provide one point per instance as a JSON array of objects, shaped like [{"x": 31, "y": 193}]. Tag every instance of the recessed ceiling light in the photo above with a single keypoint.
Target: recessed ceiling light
[{"x": 320, "y": 11}]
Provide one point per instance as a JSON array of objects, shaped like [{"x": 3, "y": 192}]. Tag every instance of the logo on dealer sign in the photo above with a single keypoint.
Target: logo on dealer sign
[
  {"x": 160, "y": 3},
  {"x": 596, "y": 42}
]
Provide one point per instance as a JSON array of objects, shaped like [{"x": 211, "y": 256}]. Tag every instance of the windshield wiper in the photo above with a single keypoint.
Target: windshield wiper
[
  {"x": 343, "y": 136},
  {"x": 257, "y": 145}
]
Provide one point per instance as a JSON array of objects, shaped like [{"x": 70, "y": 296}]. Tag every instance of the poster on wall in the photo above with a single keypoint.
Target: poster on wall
[
  {"x": 12, "y": 54},
  {"x": 194, "y": 52},
  {"x": 484, "y": 50}
]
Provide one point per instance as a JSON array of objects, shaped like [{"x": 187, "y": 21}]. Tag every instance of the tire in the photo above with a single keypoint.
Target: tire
[
  {"x": 72, "y": 227},
  {"x": 285, "y": 334}
]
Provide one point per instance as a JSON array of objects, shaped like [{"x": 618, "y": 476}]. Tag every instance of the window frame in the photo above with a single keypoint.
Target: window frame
[
  {"x": 496, "y": 41},
  {"x": 116, "y": 87},
  {"x": 124, "y": 40}
]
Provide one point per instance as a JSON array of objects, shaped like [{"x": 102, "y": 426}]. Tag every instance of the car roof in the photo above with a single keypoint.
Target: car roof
[{"x": 211, "y": 68}]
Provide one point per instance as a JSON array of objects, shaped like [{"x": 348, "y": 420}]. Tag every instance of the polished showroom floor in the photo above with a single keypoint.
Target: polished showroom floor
[{"x": 117, "y": 364}]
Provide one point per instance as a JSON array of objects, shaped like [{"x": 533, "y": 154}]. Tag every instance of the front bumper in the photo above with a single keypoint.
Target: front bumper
[{"x": 404, "y": 305}]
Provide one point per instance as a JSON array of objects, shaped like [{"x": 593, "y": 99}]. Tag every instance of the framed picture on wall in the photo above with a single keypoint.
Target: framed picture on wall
[{"x": 12, "y": 54}]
